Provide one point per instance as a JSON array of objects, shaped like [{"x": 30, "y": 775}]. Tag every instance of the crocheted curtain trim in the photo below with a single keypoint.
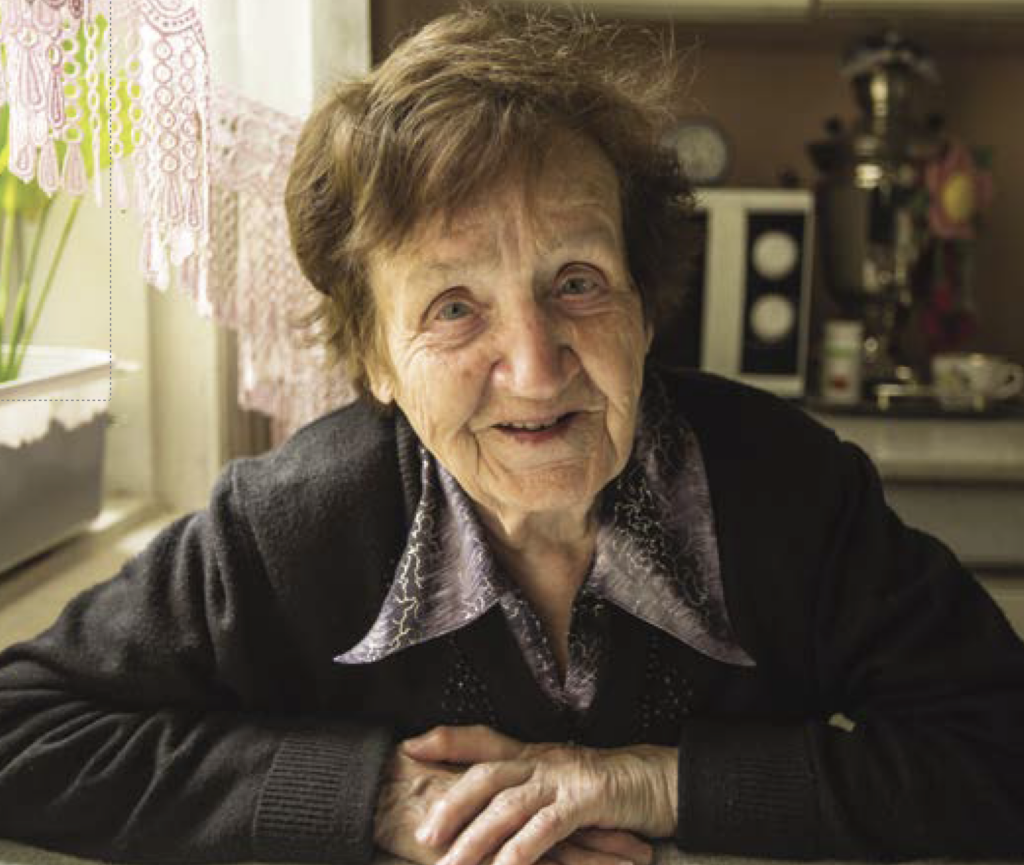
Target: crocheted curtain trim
[
  {"x": 254, "y": 283},
  {"x": 213, "y": 211},
  {"x": 58, "y": 94}
]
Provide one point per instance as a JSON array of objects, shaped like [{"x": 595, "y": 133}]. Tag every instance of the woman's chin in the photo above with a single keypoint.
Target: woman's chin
[{"x": 560, "y": 488}]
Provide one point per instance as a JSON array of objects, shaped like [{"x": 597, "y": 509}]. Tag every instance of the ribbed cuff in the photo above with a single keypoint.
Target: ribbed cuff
[
  {"x": 318, "y": 802},
  {"x": 746, "y": 788}
]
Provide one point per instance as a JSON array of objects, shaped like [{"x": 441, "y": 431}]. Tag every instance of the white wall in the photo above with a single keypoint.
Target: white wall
[
  {"x": 285, "y": 60},
  {"x": 341, "y": 40}
]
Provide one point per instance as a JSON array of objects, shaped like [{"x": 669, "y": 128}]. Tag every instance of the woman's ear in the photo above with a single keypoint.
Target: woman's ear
[
  {"x": 379, "y": 372},
  {"x": 381, "y": 386},
  {"x": 646, "y": 313}
]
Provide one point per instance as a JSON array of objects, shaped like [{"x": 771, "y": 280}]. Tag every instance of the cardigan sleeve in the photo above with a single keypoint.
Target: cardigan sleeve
[
  {"x": 915, "y": 746},
  {"x": 139, "y": 726}
]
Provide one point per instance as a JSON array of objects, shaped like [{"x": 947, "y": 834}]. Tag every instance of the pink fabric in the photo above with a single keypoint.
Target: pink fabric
[
  {"x": 206, "y": 172},
  {"x": 254, "y": 283},
  {"x": 157, "y": 47}
]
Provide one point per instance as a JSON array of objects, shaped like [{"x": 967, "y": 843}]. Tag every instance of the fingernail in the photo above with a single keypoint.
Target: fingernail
[{"x": 425, "y": 834}]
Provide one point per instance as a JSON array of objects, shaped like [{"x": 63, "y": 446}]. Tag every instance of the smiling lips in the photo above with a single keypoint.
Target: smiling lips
[
  {"x": 531, "y": 426},
  {"x": 537, "y": 430}
]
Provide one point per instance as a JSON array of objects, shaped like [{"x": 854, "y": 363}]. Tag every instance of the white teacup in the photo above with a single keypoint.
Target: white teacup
[{"x": 968, "y": 380}]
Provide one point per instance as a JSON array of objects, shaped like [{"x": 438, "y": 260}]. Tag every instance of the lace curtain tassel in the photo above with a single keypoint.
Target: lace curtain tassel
[
  {"x": 48, "y": 172},
  {"x": 119, "y": 184},
  {"x": 75, "y": 180}
]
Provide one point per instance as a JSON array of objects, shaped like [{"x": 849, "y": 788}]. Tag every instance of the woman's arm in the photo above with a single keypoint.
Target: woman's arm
[
  {"x": 152, "y": 721},
  {"x": 886, "y": 627}
]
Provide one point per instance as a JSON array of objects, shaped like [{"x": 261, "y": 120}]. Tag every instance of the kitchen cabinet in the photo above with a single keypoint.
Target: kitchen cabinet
[
  {"x": 805, "y": 10},
  {"x": 959, "y": 480},
  {"x": 695, "y": 9},
  {"x": 967, "y": 8}
]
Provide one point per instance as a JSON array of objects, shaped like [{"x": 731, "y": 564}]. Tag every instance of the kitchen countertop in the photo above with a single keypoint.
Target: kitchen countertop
[
  {"x": 665, "y": 854},
  {"x": 955, "y": 450}
]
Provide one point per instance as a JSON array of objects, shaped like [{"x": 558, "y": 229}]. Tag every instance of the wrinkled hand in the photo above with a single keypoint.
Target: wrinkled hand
[
  {"x": 410, "y": 788},
  {"x": 523, "y": 803}
]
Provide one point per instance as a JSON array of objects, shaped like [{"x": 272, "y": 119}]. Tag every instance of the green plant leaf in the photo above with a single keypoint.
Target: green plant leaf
[{"x": 16, "y": 196}]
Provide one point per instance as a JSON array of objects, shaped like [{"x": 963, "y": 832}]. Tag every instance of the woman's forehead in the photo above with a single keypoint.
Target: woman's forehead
[
  {"x": 498, "y": 231},
  {"x": 574, "y": 195}
]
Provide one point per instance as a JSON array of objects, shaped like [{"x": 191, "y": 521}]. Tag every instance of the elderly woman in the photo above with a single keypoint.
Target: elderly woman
[{"x": 531, "y": 599}]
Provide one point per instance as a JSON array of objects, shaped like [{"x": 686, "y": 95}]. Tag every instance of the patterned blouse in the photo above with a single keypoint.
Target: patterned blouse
[{"x": 656, "y": 558}]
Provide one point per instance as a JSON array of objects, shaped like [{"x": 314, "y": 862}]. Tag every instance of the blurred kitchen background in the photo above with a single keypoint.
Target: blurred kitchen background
[{"x": 765, "y": 81}]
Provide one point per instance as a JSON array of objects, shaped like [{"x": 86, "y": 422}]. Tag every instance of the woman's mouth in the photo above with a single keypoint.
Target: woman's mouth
[{"x": 536, "y": 431}]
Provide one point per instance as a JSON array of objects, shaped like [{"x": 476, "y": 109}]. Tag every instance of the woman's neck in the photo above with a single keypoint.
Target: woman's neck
[
  {"x": 563, "y": 540},
  {"x": 548, "y": 558}
]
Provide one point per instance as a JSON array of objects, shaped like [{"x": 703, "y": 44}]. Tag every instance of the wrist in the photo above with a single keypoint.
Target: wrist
[{"x": 644, "y": 791}]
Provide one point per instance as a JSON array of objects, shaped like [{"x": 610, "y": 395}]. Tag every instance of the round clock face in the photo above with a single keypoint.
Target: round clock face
[{"x": 702, "y": 149}]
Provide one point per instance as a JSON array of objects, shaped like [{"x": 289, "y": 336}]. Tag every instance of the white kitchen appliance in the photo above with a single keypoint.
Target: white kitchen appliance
[{"x": 747, "y": 314}]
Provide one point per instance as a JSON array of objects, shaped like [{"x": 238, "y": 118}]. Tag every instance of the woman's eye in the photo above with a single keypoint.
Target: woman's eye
[
  {"x": 578, "y": 285},
  {"x": 453, "y": 310}
]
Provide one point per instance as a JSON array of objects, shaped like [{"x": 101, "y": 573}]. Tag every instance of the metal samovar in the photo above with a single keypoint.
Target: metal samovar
[{"x": 871, "y": 179}]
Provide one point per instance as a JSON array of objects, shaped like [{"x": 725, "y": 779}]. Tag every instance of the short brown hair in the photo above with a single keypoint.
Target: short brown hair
[{"x": 452, "y": 108}]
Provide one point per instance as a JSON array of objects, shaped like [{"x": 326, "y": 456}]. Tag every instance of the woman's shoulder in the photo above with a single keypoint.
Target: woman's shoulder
[
  {"x": 348, "y": 445},
  {"x": 338, "y": 476},
  {"x": 731, "y": 414},
  {"x": 763, "y": 453}
]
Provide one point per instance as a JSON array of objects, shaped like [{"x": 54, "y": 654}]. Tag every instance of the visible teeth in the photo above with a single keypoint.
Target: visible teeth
[{"x": 532, "y": 427}]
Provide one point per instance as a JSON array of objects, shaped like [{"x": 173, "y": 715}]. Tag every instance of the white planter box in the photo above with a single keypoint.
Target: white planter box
[{"x": 53, "y": 421}]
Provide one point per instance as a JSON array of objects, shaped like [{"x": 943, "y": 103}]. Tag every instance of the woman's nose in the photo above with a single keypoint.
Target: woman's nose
[{"x": 537, "y": 359}]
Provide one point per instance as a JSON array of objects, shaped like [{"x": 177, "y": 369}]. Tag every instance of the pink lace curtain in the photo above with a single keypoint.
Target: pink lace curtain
[
  {"x": 253, "y": 281},
  {"x": 205, "y": 172}
]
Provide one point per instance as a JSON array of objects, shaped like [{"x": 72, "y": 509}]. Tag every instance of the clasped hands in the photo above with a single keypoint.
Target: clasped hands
[{"x": 471, "y": 795}]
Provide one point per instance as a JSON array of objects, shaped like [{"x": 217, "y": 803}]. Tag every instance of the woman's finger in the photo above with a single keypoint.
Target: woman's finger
[
  {"x": 568, "y": 853},
  {"x": 619, "y": 843},
  {"x": 475, "y": 743},
  {"x": 545, "y": 829},
  {"x": 504, "y": 818},
  {"x": 467, "y": 798}
]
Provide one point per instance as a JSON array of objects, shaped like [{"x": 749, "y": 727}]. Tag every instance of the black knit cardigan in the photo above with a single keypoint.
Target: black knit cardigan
[{"x": 190, "y": 710}]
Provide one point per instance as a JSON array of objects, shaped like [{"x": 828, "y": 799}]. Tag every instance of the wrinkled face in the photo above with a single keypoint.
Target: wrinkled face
[{"x": 515, "y": 338}]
